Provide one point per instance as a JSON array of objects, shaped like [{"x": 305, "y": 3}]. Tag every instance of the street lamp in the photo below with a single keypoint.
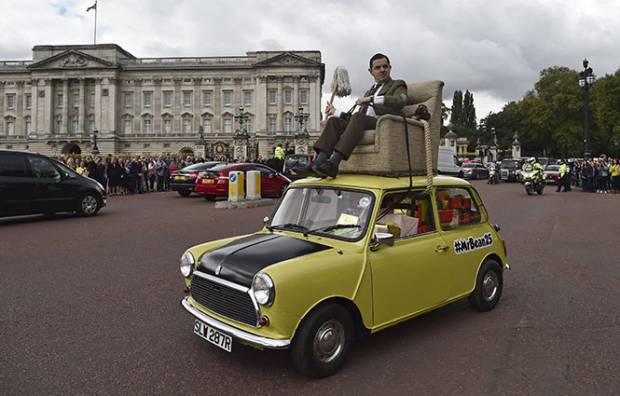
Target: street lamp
[
  {"x": 302, "y": 118},
  {"x": 203, "y": 142},
  {"x": 586, "y": 79},
  {"x": 242, "y": 118},
  {"x": 95, "y": 149}
]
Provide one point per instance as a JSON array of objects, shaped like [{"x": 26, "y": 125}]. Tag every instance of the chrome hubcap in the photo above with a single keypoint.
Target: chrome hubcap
[
  {"x": 89, "y": 204},
  {"x": 490, "y": 284},
  {"x": 329, "y": 341}
]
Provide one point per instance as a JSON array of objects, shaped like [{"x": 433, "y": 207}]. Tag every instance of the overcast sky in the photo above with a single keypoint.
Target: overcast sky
[{"x": 496, "y": 49}]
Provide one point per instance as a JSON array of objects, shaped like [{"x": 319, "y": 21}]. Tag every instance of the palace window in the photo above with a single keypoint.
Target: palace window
[
  {"x": 273, "y": 96},
  {"x": 168, "y": 125},
  {"x": 288, "y": 96},
  {"x": 288, "y": 123},
  {"x": 167, "y": 98},
  {"x": 247, "y": 98},
  {"x": 207, "y": 98},
  {"x": 76, "y": 99},
  {"x": 148, "y": 99},
  {"x": 28, "y": 101},
  {"x": 28, "y": 126},
  {"x": 10, "y": 126},
  {"x": 59, "y": 99},
  {"x": 128, "y": 99},
  {"x": 58, "y": 124},
  {"x": 147, "y": 124},
  {"x": 206, "y": 124},
  {"x": 187, "y": 124},
  {"x": 227, "y": 124},
  {"x": 127, "y": 124},
  {"x": 187, "y": 98},
  {"x": 75, "y": 125},
  {"x": 303, "y": 96},
  {"x": 91, "y": 123},
  {"x": 272, "y": 123},
  {"x": 10, "y": 102},
  {"x": 228, "y": 98}
]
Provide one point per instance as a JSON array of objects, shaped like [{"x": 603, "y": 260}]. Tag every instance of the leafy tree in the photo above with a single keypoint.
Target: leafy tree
[
  {"x": 456, "y": 113},
  {"x": 469, "y": 111}
]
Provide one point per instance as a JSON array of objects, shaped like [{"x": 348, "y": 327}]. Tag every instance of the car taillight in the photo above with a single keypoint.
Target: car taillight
[
  {"x": 193, "y": 175},
  {"x": 222, "y": 179}
]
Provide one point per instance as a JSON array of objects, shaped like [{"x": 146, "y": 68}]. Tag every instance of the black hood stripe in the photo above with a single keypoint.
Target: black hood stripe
[{"x": 240, "y": 260}]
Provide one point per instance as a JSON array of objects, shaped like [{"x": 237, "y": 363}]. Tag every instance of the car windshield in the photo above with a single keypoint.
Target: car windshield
[
  {"x": 470, "y": 165},
  {"x": 330, "y": 212},
  {"x": 553, "y": 168},
  {"x": 68, "y": 172}
]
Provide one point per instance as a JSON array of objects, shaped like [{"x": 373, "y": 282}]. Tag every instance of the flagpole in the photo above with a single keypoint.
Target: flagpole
[{"x": 95, "y": 35}]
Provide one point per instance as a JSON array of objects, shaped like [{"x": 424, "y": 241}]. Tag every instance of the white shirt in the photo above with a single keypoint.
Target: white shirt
[{"x": 371, "y": 110}]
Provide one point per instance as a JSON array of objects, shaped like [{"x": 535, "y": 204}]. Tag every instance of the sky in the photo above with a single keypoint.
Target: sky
[{"x": 494, "y": 49}]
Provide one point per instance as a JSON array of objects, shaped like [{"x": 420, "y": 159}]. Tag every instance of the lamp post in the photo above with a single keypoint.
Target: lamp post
[
  {"x": 201, "y": 137},
  {"x": 586, "y": 79},
  {"x": 302, "y": 118},
  {"x": 241, "y": 117},
  {"x": 302, "y": 135},
  {"x": 95, "y": 149},
  {"x": 241, "y": 136}
]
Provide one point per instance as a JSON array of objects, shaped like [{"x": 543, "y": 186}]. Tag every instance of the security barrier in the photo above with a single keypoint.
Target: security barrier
[
  {"x": 253, "y": 185},
  {"x": 236, "y": 186}
]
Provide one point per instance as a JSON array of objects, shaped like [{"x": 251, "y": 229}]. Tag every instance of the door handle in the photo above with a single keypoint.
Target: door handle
[{"x": 441, "y": 248}]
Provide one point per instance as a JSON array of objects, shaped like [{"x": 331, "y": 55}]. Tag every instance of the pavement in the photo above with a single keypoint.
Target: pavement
[{"x": 91, "y": 306}]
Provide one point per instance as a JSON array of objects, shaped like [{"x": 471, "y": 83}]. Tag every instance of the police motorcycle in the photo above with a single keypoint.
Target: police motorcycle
[
  {"x": 493, "y": 174},
  {"x": 532, "y": 177}
]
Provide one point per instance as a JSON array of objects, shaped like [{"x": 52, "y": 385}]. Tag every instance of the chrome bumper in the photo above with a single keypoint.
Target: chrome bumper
[{"x": 234, "y": 332}]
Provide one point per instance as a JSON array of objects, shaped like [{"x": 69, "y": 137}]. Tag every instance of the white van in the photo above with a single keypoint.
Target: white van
[{"x": 447, "y": 163}]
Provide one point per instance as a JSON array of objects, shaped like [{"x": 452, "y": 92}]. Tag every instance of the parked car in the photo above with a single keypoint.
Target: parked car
[
  {"x": 32, "y": 183},
  {"x": 295, "y": 160},
  {"x": 183, "y": 181},
  {"x": 474, "y": 170},
  {"x": 551, "y": 174},
  {"x": 544, "y": 161},
  {"x": 509, "y": 170},
  {"x": 341, "y": 258},
  {"x": 448, "y": 163},
  {"x": 213, "y": 183}
]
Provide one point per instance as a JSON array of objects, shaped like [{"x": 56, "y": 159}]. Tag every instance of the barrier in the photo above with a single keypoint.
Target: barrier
[
  {"x": 253, "y": 185},
  {"x": 236, "y": 186}
]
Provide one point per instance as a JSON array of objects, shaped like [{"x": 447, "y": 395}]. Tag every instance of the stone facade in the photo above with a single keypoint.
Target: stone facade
[{"x": 53, "y": 103}]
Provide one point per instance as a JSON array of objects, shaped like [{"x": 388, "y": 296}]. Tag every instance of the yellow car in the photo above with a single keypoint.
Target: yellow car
[{"x": 342, "y": 258}]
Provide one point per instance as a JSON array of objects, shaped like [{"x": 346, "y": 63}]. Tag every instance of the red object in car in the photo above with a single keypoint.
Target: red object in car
[
  {"x": 467, "y": 203},
  {"x": 214, "y": 182},
  {"x": 445, "y": 215},
  {"x": 455, "y": 203}
]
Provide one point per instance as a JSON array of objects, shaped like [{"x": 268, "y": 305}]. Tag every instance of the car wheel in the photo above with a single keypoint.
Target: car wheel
[
  {"x": 323, "y": 341},
  {"x": 184, "y": 193},
  {"x": 489, "y": 285},
  {"x": 88, "y": 205}
]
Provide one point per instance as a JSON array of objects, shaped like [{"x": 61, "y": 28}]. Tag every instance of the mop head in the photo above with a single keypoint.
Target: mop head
[{"x": 340, "y": 84}]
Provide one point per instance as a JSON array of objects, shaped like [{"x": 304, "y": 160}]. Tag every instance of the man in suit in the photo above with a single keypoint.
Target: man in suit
[{"x": 343, "y": 131}]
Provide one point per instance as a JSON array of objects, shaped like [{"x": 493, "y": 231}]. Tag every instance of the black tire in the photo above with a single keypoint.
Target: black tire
[
  {"x": 334, "y": 323},
  {"x": 184, "y": 193},
  {"x": 88, "y": 205},
  {"x": 489, "y": 286}
]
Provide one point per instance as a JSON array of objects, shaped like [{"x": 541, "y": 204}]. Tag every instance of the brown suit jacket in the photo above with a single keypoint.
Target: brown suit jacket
[{"x": 395, "y": 97}]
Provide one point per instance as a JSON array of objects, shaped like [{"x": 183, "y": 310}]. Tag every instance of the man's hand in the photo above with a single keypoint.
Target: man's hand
[
  {"x": 362, "y": 100},
  {"x": 330, "y": 109}
]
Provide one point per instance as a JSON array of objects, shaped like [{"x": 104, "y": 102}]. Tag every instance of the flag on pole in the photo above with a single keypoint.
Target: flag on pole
[{"x": 92, "y": 7}]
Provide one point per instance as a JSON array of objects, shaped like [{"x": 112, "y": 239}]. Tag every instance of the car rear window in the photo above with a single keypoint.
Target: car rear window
[
  {"x": 13, "y": 166},
  {"x": 199, "y": 166}
]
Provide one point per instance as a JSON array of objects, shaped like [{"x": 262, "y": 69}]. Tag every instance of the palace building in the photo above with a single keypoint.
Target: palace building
[{"x": 85, "y": 98}]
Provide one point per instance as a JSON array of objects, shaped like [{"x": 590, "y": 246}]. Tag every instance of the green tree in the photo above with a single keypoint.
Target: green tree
[
  {"x": 456, "y": 113},
  {"x": 469, "y": 111}
]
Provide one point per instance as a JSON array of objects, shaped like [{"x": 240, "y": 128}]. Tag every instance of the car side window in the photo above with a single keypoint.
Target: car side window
[
  {"x": 264, "y": 171},
  {"x": 405, "y": 215},
  {"x": 456, "y": 208},
  {"x": 42, "y": 168},
  {"x": 13, "y": 166}
]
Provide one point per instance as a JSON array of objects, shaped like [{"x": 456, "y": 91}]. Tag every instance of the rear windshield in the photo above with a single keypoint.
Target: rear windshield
[{"x": 200, "y": 166}]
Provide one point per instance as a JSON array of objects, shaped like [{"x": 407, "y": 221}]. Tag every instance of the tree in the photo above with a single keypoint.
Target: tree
[
  {"x": 469, "y": 111},
  {"x": 456, "y": 113}
]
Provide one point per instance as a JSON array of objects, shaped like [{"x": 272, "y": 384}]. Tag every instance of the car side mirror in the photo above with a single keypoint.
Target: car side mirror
[
  {"x": 265, "y": 219},
  {"x": 381, "y": 238}
]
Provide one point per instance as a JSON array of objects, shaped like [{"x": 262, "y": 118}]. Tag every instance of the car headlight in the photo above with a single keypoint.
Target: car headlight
[
  {"x": 262, "y": 287},
  {"x": 187, "y": 264}
]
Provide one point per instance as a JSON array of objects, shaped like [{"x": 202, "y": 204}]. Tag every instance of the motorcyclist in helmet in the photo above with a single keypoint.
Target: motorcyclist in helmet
[{"x": 537, "y": 167}]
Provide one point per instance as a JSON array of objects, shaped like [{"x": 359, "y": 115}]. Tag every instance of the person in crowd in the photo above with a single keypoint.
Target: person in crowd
[
  {"x": 160, "y": 172},
  {"x": 564, "y": 177},
  {"x": 81, "y": 168},
  {"x": 151, "y": 175},
  {"x": 614, "y": 170},
  {"x": 172, "y": 167}
]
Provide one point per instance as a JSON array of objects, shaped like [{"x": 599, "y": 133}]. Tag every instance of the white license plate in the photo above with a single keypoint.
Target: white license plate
[{"x": 214, "y": 336}]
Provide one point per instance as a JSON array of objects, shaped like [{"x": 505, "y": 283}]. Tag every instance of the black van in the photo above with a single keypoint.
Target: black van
[{"x": 33, "y": 183}]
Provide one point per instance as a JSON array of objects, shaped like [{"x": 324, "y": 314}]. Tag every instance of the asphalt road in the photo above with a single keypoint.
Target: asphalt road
[{"x": 91, "y": 306}]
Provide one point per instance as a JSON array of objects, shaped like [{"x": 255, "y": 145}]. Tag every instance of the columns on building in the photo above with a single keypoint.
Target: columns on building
[
  {"x": 65, "y": 106},
  {"x": 196, "y": 96},
  {"x": 158, "y": 105},
  {"x": 137, "y": 106},
  {"x": 98, "y": 91},
  {"x": 217, "y": 125},
  {"x": 82, "y": 122},
  {"x": 280, "y": 100},
  {"x": 34, "y": 108},
  {"x": 47, "y": 127},
  {"x": 177, "y": 106},
  {"x": 111, "y": 107},
  {"x": 260, "y": 104}
]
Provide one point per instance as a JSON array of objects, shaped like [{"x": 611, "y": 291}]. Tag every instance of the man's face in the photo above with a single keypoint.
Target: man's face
[{"x": 380, "y": 70}]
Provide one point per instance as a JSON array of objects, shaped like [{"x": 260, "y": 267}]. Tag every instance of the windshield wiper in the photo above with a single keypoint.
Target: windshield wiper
[
  {"x": 291, "y": 226},
  {"x": 331, "y": 228}
]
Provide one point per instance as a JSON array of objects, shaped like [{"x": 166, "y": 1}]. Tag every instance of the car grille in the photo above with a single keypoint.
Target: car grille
[{"x": 223, "y": 300}]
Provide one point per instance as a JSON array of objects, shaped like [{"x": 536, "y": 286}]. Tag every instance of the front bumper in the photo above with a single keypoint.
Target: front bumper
[{"x": 233, "y": 331}]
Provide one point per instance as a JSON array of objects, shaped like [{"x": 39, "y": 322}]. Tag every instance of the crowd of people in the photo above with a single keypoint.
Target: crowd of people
[{"x": 598, "y": 175}]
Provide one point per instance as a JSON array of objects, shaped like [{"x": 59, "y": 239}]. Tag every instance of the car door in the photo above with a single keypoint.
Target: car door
[
  {"x": 413, "y": 275},
  {"x": 269, "y": 182},
  {"x": 463, "y": 227},
  {"x": 17, "y": 188},
  {"x": 51, "y": 194}
]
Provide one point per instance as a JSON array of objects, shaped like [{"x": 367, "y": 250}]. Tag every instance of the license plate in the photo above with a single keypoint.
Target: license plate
[
  {"x": 214, "y": 336},
  {"x": 179, "y": 178},
  {"x": 207, "y": 181}
]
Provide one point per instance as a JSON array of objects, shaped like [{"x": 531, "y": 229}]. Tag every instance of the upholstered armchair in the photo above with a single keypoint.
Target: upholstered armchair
[{"x": 383, "y": 151}]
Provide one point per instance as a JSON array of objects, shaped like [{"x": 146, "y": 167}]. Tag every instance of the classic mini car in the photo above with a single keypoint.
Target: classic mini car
[
  {"x": 213, "y": 183},
  {"x": 510, "y": 169},
  {"x": 341, "y": 258},
  {"x": 183, "y": 181}
]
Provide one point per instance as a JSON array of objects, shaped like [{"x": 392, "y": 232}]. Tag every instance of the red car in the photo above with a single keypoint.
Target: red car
[
  {"x": 552, "y": 174},
  {"x": 213, "y": 183}
]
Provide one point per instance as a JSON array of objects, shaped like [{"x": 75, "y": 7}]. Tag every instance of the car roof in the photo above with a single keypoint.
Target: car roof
[{"x": 379, "y": 182}]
